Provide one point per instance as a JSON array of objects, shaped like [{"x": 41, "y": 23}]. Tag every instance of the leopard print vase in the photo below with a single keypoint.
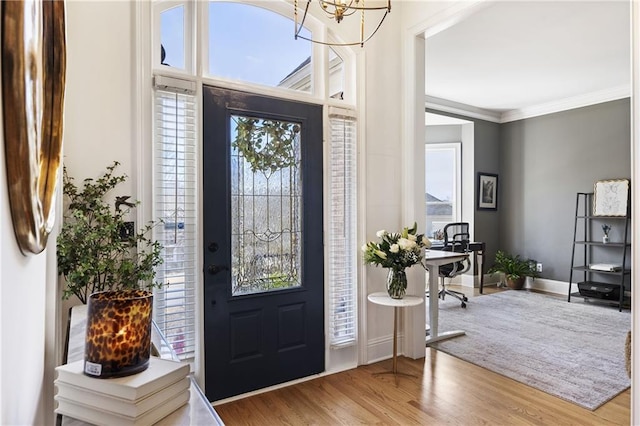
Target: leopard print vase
[{"x": 118, "y": 339}]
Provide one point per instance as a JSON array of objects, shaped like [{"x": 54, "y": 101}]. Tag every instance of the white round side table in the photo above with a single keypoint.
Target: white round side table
[{"x": 382, "y": 298}]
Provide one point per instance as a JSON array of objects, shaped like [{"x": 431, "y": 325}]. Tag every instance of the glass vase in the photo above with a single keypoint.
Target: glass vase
[
  {"x": 118, "y": 336},
  {"x": 396, "y": 283}
]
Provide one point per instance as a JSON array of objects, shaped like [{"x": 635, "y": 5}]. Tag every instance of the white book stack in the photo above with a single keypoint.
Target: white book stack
[{"x": 140, "y": 399}]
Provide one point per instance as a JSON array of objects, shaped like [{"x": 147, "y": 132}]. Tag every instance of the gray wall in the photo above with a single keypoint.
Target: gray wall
[
  {"x": 443, "y": 133},
  {"x": 544, "y": 162},
  {"x": 486, "y": 159}
]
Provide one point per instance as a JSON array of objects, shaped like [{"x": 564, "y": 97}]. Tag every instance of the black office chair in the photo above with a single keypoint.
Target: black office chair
[{"x": 456, "y": 239}]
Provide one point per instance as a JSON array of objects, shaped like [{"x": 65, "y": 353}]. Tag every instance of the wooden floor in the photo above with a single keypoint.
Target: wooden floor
[{"x": 441, "y": 390}]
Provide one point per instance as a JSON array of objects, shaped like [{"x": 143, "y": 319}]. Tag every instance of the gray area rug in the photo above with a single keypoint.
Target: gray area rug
[{"x": 574, "y": 351}]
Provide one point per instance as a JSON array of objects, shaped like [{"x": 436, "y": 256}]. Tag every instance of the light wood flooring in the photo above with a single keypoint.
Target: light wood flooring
[{"x": 441, "y": 390}]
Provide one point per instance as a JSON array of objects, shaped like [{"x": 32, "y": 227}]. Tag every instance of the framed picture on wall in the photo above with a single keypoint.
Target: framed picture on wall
[
  {"x": 487, "y": 191},
  {"x": 610, "y": 197}
]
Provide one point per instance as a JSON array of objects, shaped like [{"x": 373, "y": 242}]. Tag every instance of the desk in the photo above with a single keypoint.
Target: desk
[
  {"x": 384, "y": 299},
  {"x": 477, "y": 247},
  {"x": 433, "y": 259},
  {"x": 198, "y": 411}
]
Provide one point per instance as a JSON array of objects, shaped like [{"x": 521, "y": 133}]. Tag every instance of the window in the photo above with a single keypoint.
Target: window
[
  {"x": 266, "y": 205},
  {"x": 336, "y": 75},
  {"x": 342, "y": 245},
  {"x": 252, "y": 44},
  {"x": 175, "y": 190},
  {"x": 172, "y": 37},
  {"x": 442, "y": 184}
]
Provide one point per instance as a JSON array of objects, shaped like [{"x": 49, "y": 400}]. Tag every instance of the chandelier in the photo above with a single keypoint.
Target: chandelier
[{"x": 337, "y": 10}]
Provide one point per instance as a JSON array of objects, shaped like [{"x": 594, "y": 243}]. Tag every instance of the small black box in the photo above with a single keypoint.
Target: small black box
[{"x": 601, "y": 291}]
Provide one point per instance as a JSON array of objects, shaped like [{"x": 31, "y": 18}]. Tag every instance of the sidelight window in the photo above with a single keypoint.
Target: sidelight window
[{"x": 175, "y": 187}]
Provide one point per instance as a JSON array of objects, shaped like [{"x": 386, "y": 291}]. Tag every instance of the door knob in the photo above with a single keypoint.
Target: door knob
[{"x": 214, "y": 269}]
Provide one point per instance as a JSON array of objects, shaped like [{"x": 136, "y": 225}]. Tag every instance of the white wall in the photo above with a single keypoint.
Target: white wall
[
  {"x": 382, "y": 169},
  {"x": 22, "y": 324},
  {"x": 98, "y": 128},
  {"x": 22, "y": 321},
  {"x": 99, "y": 96}
]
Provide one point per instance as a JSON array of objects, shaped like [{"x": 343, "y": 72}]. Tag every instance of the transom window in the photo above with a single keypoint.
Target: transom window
[
  {"x": 255, "y": 45},
  {"x": 172, "y": 37}
]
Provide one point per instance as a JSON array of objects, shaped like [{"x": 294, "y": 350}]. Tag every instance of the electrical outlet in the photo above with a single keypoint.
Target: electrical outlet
[
  {"x": 539, "y": 267},
  {"x": 127, "y": 231}
]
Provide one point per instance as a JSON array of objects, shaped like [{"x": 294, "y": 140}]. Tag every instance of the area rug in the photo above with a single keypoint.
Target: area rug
[{"x": 574, "y": 351}]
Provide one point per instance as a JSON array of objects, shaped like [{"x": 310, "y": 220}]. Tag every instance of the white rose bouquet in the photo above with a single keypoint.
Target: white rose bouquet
[{"x": 396, "y": 251}]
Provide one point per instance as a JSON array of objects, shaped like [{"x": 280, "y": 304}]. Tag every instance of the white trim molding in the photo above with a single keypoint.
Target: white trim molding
[
  {"x": 565, "y": 104},
  {"x": 559, "y": 105},
  {"x": 380, "y": 348},
  {"x": 469, "y": 111},
  {"x": 635, "y": 208}
]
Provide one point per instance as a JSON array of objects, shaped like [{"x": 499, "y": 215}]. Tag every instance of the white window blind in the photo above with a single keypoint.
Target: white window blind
[
  {"x": 175, "y": 191},
  {"x": 342, "y": 244}
]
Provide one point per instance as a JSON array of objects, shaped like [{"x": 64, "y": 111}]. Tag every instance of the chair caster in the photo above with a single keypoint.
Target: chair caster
[
  {"x": 463, "y": 305},
  {"x": 464, "y": 298}
]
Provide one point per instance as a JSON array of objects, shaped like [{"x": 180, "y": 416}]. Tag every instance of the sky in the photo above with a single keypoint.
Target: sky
[
  {"x": 243, "y": 42},
  {"x": 439, "y": 177}
]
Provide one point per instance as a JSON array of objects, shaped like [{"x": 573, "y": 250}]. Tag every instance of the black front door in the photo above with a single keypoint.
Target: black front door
[{"x": 263, "y": 248}]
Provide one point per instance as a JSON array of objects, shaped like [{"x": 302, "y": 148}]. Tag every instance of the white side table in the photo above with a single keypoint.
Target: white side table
[{"x": 382, "y": 298}]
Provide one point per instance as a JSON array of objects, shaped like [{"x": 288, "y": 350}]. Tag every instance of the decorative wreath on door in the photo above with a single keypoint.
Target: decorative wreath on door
[{"x": 267, "y": 145}]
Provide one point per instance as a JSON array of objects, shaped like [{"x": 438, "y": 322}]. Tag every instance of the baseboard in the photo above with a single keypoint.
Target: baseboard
[
  {"x": 549, "y": 286},
  {"x": 381, "y": 348},
  {"x": 474, "y": 280}
]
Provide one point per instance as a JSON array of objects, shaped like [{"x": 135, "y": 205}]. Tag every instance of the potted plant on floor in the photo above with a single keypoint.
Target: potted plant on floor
[{"x": 514, "y": 268}]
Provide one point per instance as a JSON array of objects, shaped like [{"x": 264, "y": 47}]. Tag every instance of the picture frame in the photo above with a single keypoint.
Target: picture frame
[
  {"x": 487, "y": 191},
  {"x": 611, "y": 197}
]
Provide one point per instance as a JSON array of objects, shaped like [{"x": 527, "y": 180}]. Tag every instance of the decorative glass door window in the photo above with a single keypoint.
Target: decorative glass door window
[{"x": 266, "y": 205}]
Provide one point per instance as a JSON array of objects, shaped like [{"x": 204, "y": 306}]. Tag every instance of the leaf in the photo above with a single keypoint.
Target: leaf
[{"x": 91, "y": 255}]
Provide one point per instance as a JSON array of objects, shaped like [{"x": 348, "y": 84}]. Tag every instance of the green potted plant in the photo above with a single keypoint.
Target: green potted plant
[
  {"x": 97, "y": 249},
  {"x": 514, "y": 268}
]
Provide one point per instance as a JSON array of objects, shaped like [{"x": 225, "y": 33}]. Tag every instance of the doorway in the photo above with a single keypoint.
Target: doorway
[{"x": 263, "y": 247}]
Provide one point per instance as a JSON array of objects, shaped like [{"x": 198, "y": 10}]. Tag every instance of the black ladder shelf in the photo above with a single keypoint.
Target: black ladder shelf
[{"x": 587, "y": 237}]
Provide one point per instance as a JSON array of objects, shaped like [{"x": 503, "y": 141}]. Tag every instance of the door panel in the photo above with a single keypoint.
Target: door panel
[{"x": 263, "y": 252}]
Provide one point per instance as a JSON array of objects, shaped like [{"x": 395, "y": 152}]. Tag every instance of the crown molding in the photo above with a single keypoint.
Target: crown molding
[
  {"x": 565, "y": 104},
  {"x": 559, "y": 105},
  {"x": 461, "y": 109}
]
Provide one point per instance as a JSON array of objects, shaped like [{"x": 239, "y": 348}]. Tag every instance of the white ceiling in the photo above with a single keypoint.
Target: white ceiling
[{"x": 529, "y": 55}]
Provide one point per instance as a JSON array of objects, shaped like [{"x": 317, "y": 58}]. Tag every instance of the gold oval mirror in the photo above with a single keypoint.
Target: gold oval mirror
[{"x": 33, "y": 80}]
